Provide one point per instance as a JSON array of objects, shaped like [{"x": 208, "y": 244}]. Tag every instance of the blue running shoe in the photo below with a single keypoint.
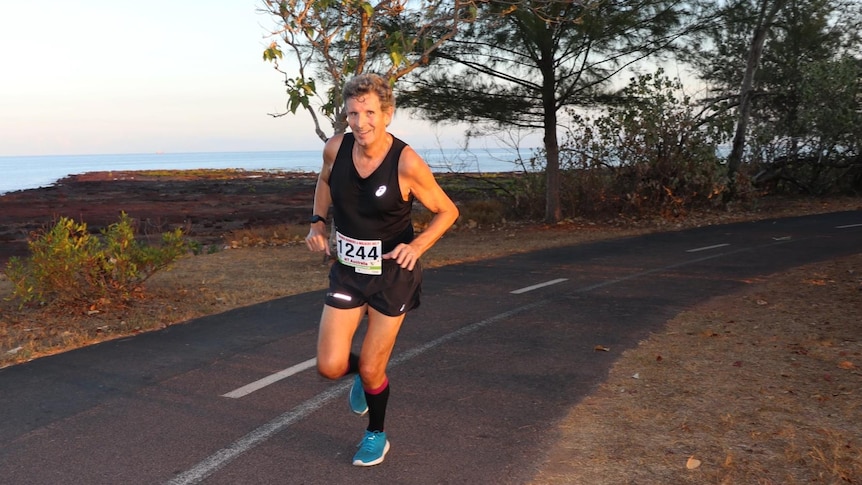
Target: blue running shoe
[
  {"x": 372, "y": 449},
  {"x": 357, "y": 397}
]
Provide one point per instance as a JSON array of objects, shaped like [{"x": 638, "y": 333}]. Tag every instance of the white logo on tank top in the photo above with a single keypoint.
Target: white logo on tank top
[{"x": 380, "y": 191}]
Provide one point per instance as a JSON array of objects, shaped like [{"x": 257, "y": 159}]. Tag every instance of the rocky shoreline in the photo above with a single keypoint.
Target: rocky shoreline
[{"x": 206, "y": 204}]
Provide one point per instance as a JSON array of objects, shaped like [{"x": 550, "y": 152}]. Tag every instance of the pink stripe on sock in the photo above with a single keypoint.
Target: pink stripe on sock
[{"x": 380, "y": 389}]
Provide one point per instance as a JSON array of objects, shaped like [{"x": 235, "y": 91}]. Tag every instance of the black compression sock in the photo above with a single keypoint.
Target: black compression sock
[{"x": 377, "y": 408}]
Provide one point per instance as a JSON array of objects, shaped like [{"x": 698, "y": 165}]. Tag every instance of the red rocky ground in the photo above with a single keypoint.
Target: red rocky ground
[{"x": 207, "y": 205}]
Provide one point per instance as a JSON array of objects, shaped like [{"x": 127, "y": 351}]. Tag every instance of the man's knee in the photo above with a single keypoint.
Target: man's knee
[
  {"x": 373, "y": 373},
  {"x": 331, "y": 370}
]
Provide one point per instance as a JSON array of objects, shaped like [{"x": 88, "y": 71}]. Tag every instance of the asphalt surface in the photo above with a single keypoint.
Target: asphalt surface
[{"x": 482, "y": 373}]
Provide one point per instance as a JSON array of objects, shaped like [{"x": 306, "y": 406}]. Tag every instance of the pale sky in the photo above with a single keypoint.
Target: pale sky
[{"x": 108, "y": 76}]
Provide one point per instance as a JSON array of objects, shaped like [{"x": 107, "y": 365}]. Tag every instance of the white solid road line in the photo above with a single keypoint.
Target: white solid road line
[
  {"x": 219, "y": 459},
  {"x": 222, "y": 457},
  {"x": 270, "y": 379},
  {"x": 540, "y": 285},
  {"x": 706, "y": 248},
  {"x": 848, "y": 226}
]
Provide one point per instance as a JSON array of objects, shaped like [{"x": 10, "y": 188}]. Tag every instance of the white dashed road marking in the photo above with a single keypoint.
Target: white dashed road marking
[
  {"x": 706, "y": 248},
  {"x": 540, "y": 285},
  {"x": 270, "y": 379}
]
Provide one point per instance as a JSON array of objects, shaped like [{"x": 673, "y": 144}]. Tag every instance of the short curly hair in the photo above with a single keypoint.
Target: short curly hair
[{"x": 370, "y": 83}]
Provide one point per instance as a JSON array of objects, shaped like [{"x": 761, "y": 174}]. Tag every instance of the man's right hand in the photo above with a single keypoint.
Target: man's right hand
[{"x": 316, "y": 239}]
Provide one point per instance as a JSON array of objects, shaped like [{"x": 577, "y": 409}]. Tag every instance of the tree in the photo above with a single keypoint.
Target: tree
[
  {"x": 332, "y": 40},
  {"x": 523, "y": 61},
  {"x": 798, "y": 105},
  {"x": 766, "y": 15}
]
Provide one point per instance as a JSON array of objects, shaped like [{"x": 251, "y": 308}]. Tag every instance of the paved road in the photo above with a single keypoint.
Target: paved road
[{"x": 482, "y": 373}]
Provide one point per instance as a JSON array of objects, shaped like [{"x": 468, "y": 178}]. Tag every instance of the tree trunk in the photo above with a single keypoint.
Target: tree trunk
[
  {"x": 755, "y": 52},
  {"x": 553, "y": 212}
]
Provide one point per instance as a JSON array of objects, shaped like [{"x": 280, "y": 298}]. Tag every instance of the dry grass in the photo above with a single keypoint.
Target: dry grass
[
  {"x": 760, "y": 387},
  {"x": 252, "y": 266}
]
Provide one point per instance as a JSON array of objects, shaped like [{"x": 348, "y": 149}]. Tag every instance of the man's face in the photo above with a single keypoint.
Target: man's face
[{"x": 367, "y": 120}]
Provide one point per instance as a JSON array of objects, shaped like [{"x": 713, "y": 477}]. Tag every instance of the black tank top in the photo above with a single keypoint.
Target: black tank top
[{"x": 370, "y": 208}]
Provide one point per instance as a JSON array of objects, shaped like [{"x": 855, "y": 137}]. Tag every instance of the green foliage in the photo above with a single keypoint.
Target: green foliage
[
  {"x": 299, "y": 93},
  {"x": 70, "y": 266},
  {"x": 817, "y": 150},
  {"x": 804, "y": 128},
  {"x": 483, "y": 212},
  {"x": 335, "y": 39},
  {"x": 520, "y": 59},
  {"x": 527, "y": 192},
  {"x": 651, "y": 154},
  {"x": 489, "y": 198},
  {"x": 272, "y": 53}
]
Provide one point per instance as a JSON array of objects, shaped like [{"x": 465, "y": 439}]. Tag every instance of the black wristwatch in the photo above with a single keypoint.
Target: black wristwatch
[{"x": 317, "y": 218}]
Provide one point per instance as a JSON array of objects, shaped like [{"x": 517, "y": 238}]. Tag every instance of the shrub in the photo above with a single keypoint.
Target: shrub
[
  {"x": 653, "y": 153},
  {"x": 484, "y": 212},
  {"x": 68, "y": 265}
]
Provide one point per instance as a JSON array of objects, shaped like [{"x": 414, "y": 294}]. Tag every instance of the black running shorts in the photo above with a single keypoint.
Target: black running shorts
[{"x": 392, "y": 293}]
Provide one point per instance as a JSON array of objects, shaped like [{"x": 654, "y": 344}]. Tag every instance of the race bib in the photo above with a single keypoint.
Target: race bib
[{"x": 363, "y": 256}]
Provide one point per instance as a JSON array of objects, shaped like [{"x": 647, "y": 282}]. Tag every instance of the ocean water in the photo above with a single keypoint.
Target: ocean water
[{"x": 29, "y": 172}]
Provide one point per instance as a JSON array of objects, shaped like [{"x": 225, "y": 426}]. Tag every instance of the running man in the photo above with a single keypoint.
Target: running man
[{"x": 370, "y": 178}]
